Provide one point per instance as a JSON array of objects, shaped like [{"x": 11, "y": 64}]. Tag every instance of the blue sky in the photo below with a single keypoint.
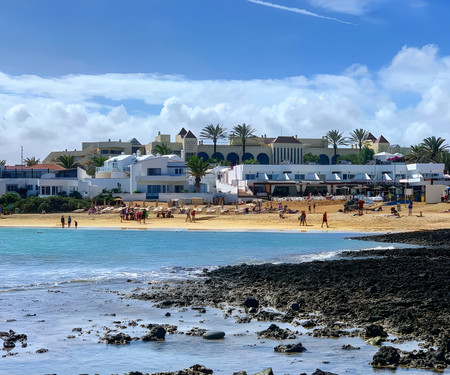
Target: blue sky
[{"x": 87, "y": 70}]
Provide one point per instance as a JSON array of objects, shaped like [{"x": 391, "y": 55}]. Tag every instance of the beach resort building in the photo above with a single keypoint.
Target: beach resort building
[
  {"x": 266, "y": 150},
  {"x": 101, "y": 148}
]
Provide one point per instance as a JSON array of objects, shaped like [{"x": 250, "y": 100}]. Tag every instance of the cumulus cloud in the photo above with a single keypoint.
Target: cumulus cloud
[{"x": 58, "y": 113}]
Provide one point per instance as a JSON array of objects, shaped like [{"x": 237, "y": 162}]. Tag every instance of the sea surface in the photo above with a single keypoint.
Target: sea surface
[{"x": 64, "y": 287}]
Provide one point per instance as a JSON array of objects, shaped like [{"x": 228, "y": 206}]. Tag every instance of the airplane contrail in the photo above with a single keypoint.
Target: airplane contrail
[{"x": 297, "y": 10}]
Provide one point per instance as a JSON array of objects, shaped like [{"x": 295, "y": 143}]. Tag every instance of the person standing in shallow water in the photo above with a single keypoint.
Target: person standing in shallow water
[
  {"x": 69, "y": 221},
  {"x": 63, "y": 221}
]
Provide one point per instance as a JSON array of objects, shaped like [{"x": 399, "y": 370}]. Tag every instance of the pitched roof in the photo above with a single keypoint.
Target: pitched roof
[
  {"x": 282, "y": 139},
  {"x": 381, "y": 139},
  {"x": 182, "y": 132},
  {"x": 371, "y": 137},
  {"x": 134, "y": 141},
  {"x": 189, "y": 134}
]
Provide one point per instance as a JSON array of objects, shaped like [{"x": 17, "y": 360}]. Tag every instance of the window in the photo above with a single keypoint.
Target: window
[
  {"x": 178, "y": 188},
  {"x": 29, "y": 187},
  {"x": 154, "y": 172},
  {"x": 45, "y": 190},
  {"x": 178, "y": 171},
  {"x": 250, "y": 176},
  {"x": 299, "y": 176},
  {"x": 11, "y": 188}
]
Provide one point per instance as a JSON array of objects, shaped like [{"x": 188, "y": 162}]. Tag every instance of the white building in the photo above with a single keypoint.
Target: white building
[{"x": 297, "y": 180}]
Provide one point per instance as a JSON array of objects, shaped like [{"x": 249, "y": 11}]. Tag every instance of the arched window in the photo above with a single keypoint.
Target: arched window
[
  {"x": 262, "y": 158},
  {"x": 203, "y": 155},
  {"x": 233, "y": 158},
  {"x": 218, "y": 156},
  {"x": 324, "y": 159},
  {"x": 247, "y": 156}
]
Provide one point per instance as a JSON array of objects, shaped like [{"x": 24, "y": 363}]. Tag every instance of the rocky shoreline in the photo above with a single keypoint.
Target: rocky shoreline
[{"x": 403, "y": 292}]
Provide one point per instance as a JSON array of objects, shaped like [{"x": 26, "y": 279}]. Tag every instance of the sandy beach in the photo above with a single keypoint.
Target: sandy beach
[{"x": 435, "y": 216}]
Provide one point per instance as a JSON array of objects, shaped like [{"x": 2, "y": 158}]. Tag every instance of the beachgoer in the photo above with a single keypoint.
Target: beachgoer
[
  {"x": 410, "y": 206},
  {"x": 188, "y": 215},
  {"x": 63, "y": 221},
  {"x": 193, "y": 216},
  {"x": 314, "y": 207},
  {"x": 360, "y": 207},
  {"x": 420, "y": 214},
  {"x": 325, "y": 219},
  {"x": 309, "y": 208},
  {"x": 76, "y": 224},
  {"x": 302, "y": 218},
  {"x": 69, "y": 221}
]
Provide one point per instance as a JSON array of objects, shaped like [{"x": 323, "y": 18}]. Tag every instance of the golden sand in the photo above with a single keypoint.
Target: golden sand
[{"x": 435, "y": 216}]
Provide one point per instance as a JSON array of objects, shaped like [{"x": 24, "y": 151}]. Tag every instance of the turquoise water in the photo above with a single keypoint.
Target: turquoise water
[{"x": 54, "y": 280}]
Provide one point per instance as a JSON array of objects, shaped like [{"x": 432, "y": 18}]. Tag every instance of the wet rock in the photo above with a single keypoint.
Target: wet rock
[
  {"x": 290, "y": 348},
  {"x": 240, "y": 373},
  {"x": 320, "y": 372},
  {"x": 195, "y": 331},
  {"x": 277, "y": 333},
  {"x": 156, "y": 333},
  {"x": 374, "y": 341},
  {"x": 9, "y": 344},
  {"x": 309, "y": 324},
  {"x": 116, "y": 339},
  {"x": 350, "y": 347},
  {"x": 243, "y": 319},
  {"x": 42, "y": 350},
  {"x": 251, "y": 302},
  {"x": 214, "y": 335},
  {"x": 267, "y": 371},
  {"x": 374, "y": 330},
  {"x": 387, "y": 356}
]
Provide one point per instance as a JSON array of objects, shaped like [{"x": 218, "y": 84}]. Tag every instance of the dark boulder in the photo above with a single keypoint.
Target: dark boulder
[
  {"x": 290, "y": 348},
  {"x": 251, "y": 302},
  {"x": 387, "y": 356},
  {"x": 275, "y": 332},
  {"x": 117, "y": 339},
  {"x": 156, "y": 333},
  {"x": 374, "y": 330}
]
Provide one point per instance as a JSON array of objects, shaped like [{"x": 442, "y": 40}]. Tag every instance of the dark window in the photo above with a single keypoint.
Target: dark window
[{"x": 153, "y": 171}]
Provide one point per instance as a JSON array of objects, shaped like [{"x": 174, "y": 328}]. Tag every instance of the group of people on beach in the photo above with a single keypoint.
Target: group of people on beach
[
  {"x": 302, "y": 218},
  {"x": 69, "y": 222}
]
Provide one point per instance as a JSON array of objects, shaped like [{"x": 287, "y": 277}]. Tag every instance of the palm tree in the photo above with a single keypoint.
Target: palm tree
[
  {"x": 162, "y": 149},
  {"x": 31, "y": 161},
  {"x": 416, "y": 155},
  {"x": 335, "y": 138},
  {"x": 67, "y": 161},
  {"x": 242, "y": 132},
  {"x": 197, "y": 168},
  {"x": 433, "y": 147},
  {"x": 214, "y": 133},
  {"x": 359, "y": 136},
  {"x": 445, "y": 159},
  {"x": 94, "y": 163}
]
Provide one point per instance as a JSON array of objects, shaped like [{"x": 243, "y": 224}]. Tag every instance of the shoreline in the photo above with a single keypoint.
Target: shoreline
[{"x": 434, "y": 217}]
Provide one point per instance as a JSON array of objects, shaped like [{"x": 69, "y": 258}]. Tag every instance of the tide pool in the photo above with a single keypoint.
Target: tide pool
[{"x": 55, "y": 280}]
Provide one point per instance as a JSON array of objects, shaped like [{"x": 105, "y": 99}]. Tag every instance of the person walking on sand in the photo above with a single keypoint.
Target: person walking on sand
[
  {"x": 302, "y": 218},
  {"x": 63, "y": 221},
  {"x": 314, "y": 207},
  {"x": 309, "y": 208},
  {"x": 69, "y": 221},
  {"x": 325, "y": 219},
  {"x": 188, "y": 215},
  {"x": 193, "y": 215},
  {"x": 410, "y": 206},
  {"x": 76, "y": 224}
]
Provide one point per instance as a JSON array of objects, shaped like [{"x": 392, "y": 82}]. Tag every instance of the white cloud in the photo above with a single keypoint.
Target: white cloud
[{"x": 49, "y": 114}]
